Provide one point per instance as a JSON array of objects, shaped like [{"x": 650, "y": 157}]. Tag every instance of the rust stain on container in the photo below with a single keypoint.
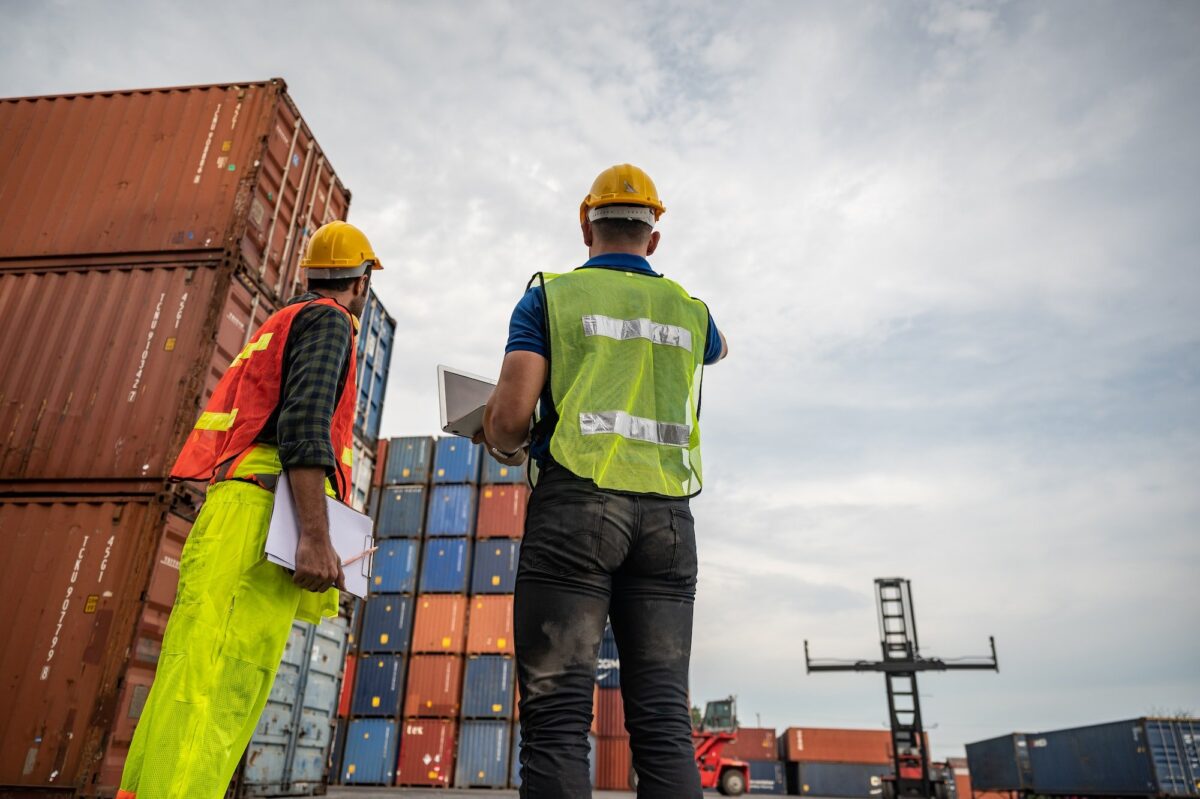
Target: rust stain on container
[
  {"x": 60, "y": 663},
  {"x": 228, "y": 167},
  {"x": 502, "y": 511},
  {"x": 434, "y": 686},
  {"x": 490, "y": 625},
  {"x": 440, "y": 623}
]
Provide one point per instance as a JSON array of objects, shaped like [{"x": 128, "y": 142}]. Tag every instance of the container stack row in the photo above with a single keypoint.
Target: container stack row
[
  {"x": 840, "y": 763},
  {"x": 161, "y": 227},
  {"x": 432, "y": 702}
]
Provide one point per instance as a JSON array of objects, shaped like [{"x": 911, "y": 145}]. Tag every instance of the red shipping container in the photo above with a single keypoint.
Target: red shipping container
[
  {"x": 610, "y": 713},
  {"x": 502, "y": 511},
  {"x": 347, "y": 686},
  {"x": 816, "y": 744},
  {"x": 440, "y": 624},
  {"x": 434, "y": 686},
  {"x": 753, "y": 743},
  {"x": 380, "y": 461},
  {"x": 614, "y": 762},
  {"x": 491, "y": 625},
  {"x": 426, "y": 753}
]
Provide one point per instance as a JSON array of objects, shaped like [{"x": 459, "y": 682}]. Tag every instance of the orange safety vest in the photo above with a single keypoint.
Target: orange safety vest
[{"x": 248, "y": 394}]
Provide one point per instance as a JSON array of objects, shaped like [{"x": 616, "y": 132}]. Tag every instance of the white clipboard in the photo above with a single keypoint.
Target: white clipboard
[{"x": 349, "y": 532}]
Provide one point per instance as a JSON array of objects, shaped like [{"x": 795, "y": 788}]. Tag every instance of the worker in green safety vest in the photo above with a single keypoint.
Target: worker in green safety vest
[{"x": 600, "y": 387}]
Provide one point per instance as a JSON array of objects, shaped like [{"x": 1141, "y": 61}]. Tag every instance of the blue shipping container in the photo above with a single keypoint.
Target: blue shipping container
[
  {"x": 401, "y": 512},
  {"x": 1139, "y": 757},
  {"x": 495, "y": 568},
  {"x": 408, "y": 460},
  {"x": 766, "y": 776},
  {"x": 378, "y": 686},
  {"x": 445, "y": 567},
  {"x": 608, "y": 667},
  {"x": 1000, "y": 764},
  {"x": 387, "y": 624},
  {"x": 515, "y": 778},
  {"x": 848, "y": 780},
  {"x": 377, "y": 330},
  {"x": 451, "y": 511},
  {"x": 495, "y": 472},
  {"x": 394, "y": 566},
  {"x": 488, "y": 687},
  {"x": 456, "y": 460},
  {"x": 370, "y": 755},
  {"x": 483, "y": 754}
]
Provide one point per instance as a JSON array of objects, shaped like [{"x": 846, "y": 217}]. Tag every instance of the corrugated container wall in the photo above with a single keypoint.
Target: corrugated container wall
[
  {"x": 483, "y": 755},
  {"x": 440, "y": 626},
  {"x": 1139, "y": 757},
  {"x": 767, "y": 776},
  {"x": 394, "y": 566},
  {"x": 370, "y": 754},
  {"x": 608, "y": 665},
  {"x": 379, "y": 686},
  {"x": 494, "y": 570},
  {"x": 753, "y": 743},
  {"x": 490, "y": 625},
  {"x": 1000, "y": 764},
  {"x": 496, "y": 472},
  {"x": 451, "y": 510},
  {"x": 434, "y": 686},
  {"x": 408, "y": 460},
  {"x": 488, "y": 687},
  {"x": 387, "y": 623},
  {"x": 850, "y": 780},
  {"x": 502, "y": 511},
  {"x": 445, "y": 566},
  {"x": 456, "y": 460},
  {"x": 375, "y": 337},
  {"x": 427, "y": 753},
  {"x": 809, "y": 744},
  {"x": 401, "y": 511},
  {"x": 613, "y": 763}
]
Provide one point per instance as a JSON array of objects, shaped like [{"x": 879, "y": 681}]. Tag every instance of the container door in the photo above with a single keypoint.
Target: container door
[{"x": 314, "y": 734}]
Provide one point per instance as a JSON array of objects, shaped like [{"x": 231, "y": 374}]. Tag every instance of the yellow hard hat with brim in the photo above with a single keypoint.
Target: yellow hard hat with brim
[
  {"x": 622, "y": 185},
  {"x": 338, "y": 250}
]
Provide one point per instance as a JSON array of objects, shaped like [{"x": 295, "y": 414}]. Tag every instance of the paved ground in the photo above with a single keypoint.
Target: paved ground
[{"x": 342, "y": 792}]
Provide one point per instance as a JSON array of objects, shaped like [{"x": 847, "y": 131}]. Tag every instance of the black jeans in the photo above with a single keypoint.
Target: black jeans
[{"x": 588, "y": 554}]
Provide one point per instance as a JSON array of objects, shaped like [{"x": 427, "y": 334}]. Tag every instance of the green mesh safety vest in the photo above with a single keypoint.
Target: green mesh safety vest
[{"x": 626, "y": 364}]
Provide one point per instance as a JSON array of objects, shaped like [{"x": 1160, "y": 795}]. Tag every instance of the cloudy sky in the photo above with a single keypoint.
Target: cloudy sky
[{"x": 953, "y": 247}]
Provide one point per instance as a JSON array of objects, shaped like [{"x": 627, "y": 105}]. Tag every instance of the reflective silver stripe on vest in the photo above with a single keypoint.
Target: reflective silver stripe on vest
[
  {"x": 624, "y": 329},
  {"x": 635, "y": 427}
]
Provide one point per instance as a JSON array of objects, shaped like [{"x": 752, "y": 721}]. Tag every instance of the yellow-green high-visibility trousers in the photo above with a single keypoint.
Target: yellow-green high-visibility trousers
[{"x": 223, "y": 643}]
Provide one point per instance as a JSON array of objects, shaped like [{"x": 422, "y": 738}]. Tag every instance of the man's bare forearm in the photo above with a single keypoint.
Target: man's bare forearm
[{"x": 308, "y": 492}]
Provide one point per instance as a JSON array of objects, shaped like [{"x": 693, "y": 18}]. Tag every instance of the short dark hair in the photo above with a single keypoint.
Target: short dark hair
[
  {"x": 622, "y": 231},
  {"x": 335, "y": 284}
]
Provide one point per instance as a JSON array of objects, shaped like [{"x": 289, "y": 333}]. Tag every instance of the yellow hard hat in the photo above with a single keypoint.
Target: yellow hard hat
[
  {"x": 338, "y": 249},
  {"x": 623, "y": 184}
]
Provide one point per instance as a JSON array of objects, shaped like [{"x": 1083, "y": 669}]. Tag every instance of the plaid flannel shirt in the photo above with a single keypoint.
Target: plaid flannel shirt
[{"x": 315, "y": 366}]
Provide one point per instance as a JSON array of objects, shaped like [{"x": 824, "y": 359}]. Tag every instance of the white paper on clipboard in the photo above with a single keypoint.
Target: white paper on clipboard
[{"x": 349, "y": 532}]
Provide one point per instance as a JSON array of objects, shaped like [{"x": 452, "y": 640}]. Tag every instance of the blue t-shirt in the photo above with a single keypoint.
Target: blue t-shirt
[{"x": 527, "y": 331}]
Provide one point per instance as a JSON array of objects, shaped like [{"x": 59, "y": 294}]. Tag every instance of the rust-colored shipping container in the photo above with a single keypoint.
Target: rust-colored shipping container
[
  {"x": 347, "y": 692},
  {"x": 817, "y": 744},
  {"x": 426, "y": 753},
  {"x": 502, "y": 511},
  {"x": 381, "y": 446},
  {"x": 490, "y": 625},
  {"x": 228, "y": 169},
  {"x": 753, "y": 743},
  {"x": 610, "y": 713},
  {"x": 440, "y": 624},
  {"x": 614, "y": 761},
  {"x": 434, "y": 686},
  {"x": 81, "y": 642}
]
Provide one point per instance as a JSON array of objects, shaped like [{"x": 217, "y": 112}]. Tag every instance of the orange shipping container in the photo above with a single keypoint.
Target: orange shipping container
[
  {"x": 347, "y": 691},
  {"x": 440, "y": 623},
  {"x": 426, "y": 753},
  {"x": 490, "y": 629},
  {"x": 229, "y": 168},
  {"x": 817, "y": 744},
  {"x": 610, "y": 713},
  {"x": 614, "y": 762},
  {"x": 753, "y": 743},
  {"x": 502, "y": 511},
  {"x": 434, "y": 686}
]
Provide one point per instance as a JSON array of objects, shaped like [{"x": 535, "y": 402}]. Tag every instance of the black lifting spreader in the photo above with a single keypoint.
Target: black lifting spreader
[{"x": 902, "y": 660}]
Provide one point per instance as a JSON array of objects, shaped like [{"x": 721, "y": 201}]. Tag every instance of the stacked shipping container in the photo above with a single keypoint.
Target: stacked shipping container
[
  {"x": 836, "y": 762},
  {"x": 144, "y": 236}
]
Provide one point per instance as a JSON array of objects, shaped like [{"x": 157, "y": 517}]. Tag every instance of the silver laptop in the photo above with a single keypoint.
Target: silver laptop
[{"x": 463, "y": 398}]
